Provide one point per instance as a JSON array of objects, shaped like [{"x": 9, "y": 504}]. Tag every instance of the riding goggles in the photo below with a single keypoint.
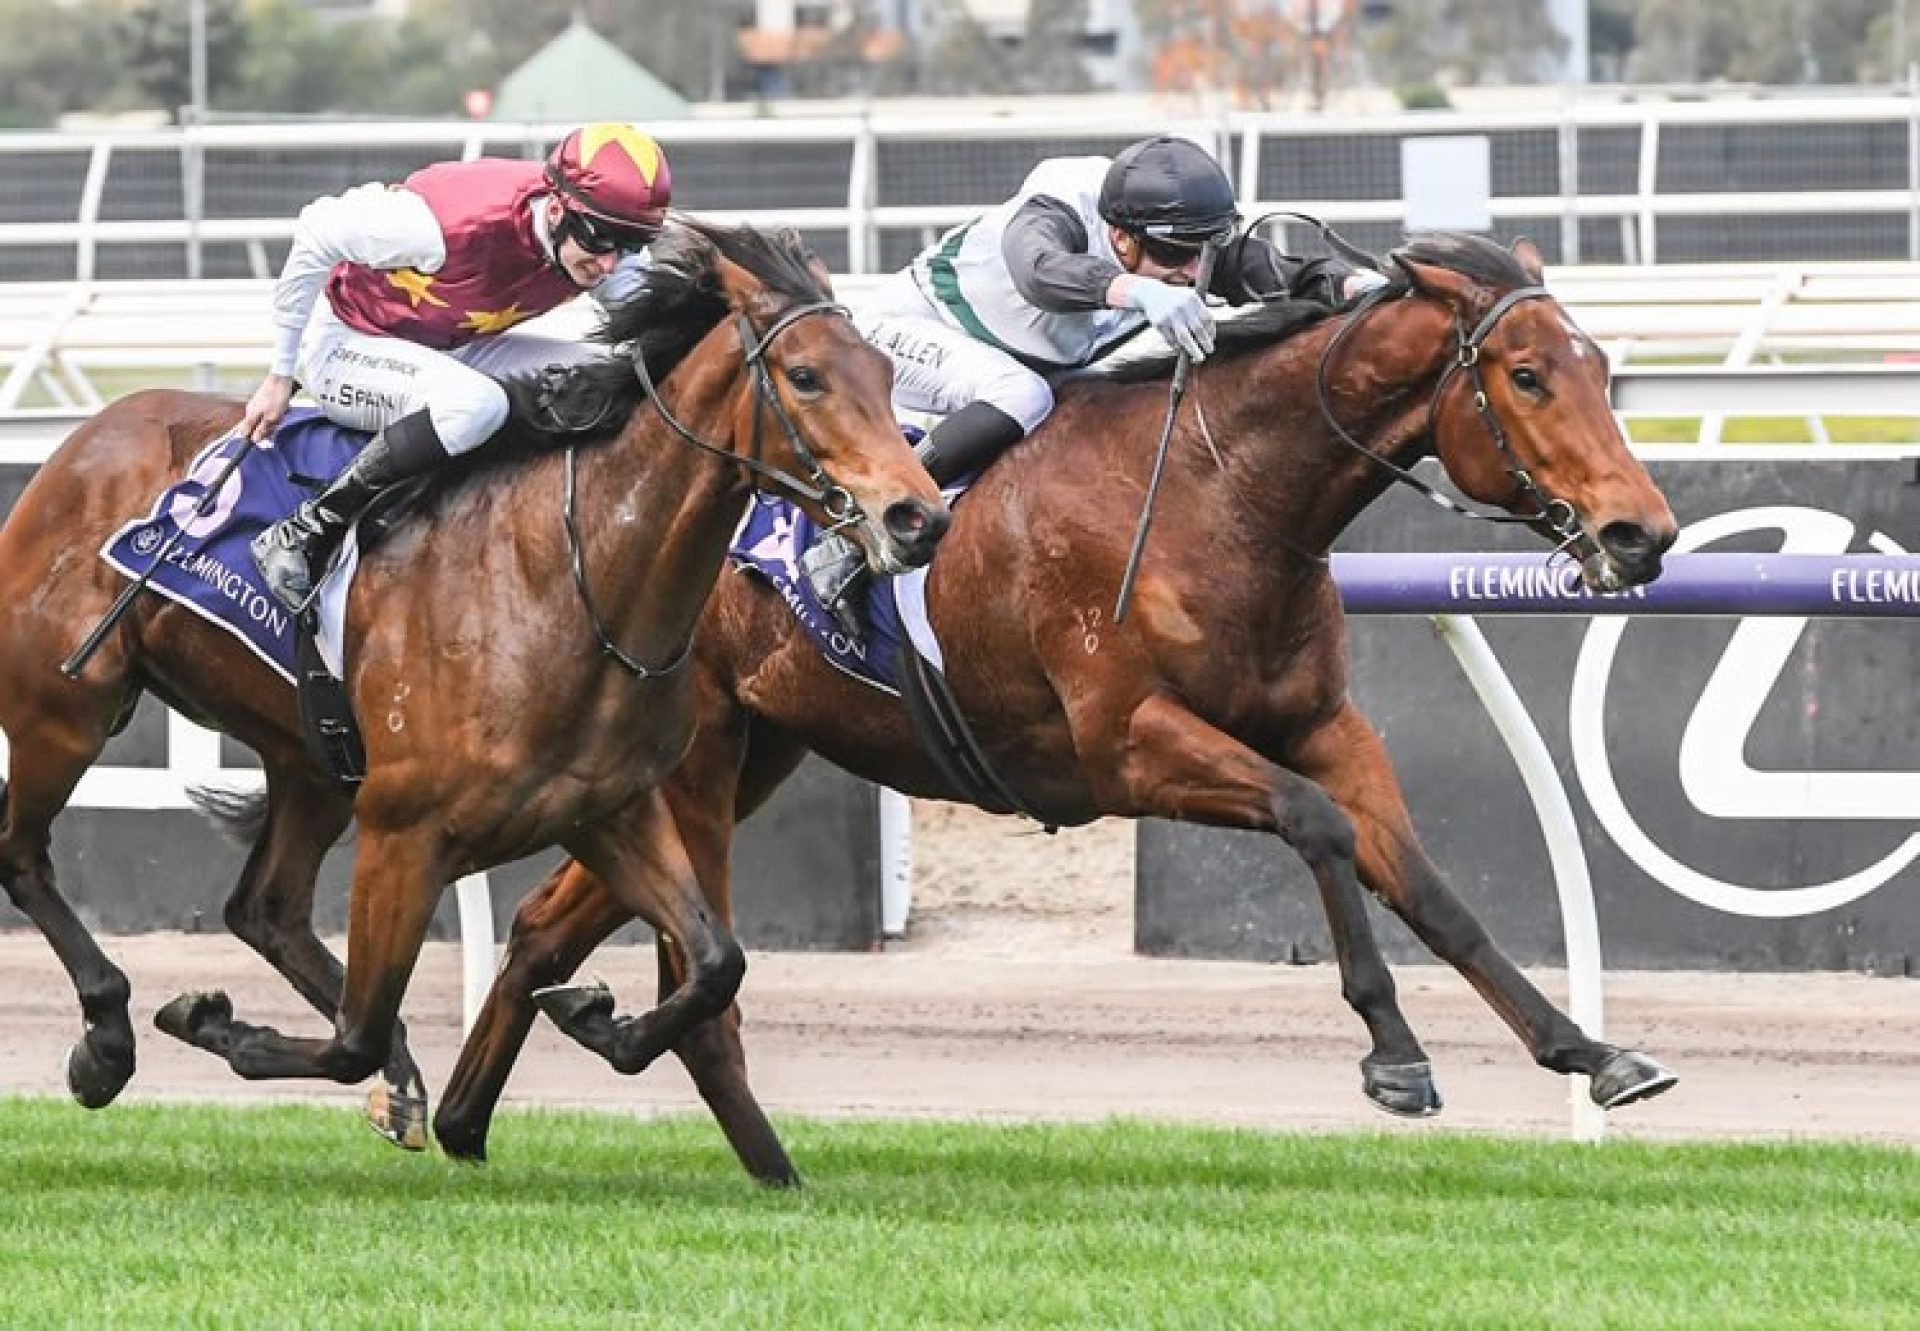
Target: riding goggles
[
  {"x": 1178, "y": 253},
  {"x": 597, "y": 236}
]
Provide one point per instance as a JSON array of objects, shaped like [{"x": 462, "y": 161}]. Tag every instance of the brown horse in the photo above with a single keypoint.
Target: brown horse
[
  {"x": 1221, "y": 699},
  {"x": 518, "y": 650}
]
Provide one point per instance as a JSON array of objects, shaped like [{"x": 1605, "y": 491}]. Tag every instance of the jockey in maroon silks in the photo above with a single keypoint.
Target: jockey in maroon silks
[{"x": 397, "y": 303}]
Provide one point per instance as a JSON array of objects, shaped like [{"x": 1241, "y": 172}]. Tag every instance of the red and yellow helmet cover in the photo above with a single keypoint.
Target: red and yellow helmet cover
[{"x": 614, "y": 172}]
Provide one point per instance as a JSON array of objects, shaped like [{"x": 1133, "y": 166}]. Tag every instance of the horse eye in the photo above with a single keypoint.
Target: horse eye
[
  {"x": 805, "y": 379},
  {"x": 1525, "y": 379}
]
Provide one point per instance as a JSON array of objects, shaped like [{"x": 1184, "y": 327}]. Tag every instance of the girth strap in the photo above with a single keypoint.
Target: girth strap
[{"x": 947, "y": 738}]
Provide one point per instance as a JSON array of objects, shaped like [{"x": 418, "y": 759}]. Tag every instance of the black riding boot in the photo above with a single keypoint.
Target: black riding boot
[
  {"x": 293, "y": 553},
  {"x": 966, "y": 441}
]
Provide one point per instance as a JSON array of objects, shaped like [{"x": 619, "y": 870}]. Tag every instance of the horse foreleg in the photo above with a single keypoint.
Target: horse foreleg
[
  {"x": 398, "y": 878},
  {"x": 640, "y": 859},
  {"x": 1348, "y": 759},
  {"x": 1175, "y": 765},
  {"x": 713, "y": 788},
  {"x": 556, "y": 926},
  {"x": 46, "y": 760},
  {"x": 271, "y": 910}
]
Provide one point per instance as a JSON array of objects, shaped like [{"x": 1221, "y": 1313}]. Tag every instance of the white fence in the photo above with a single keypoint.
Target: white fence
[
  {"x": 1801, "y": 340},
  {"x": 1807, "y": 179}
]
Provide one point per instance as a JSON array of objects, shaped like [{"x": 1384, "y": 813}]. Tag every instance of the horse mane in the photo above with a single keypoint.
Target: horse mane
[
  {"x": 1485, "y": 261},
  {"x": 680, "y": 301}
]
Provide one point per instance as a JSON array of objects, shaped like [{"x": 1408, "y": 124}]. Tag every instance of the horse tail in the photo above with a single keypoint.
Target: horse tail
[{"x": 238, "y": 815}]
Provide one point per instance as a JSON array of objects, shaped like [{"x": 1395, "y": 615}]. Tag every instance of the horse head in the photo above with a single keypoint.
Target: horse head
[
  {"x": 1521, "y": 419},
  {"x": 818, "y": 423}
]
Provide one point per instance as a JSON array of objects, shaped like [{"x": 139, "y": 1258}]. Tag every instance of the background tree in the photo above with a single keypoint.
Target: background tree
[
  {"x": 689, "y": 44},
  {"x": 55, "y": 58},
  {"x": 1753, "y": 41},
  {"x": 1250, "y": 51},
  {"x": 1050, "y": 59},
  {"x": 961, "y": 57},
  {"x": 155, "y": 45},
  {"x": 1609, "y": 38},
  {"x": 1465, "y": 41}
]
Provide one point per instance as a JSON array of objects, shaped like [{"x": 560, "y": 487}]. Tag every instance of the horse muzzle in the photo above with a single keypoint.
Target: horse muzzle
[
  {"x": 907, "y": 534},
  {"x": 1625, "y": 554}
]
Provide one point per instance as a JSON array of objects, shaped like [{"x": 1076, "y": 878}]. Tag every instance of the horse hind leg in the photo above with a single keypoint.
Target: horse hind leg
[{"x": 289, "y": 829}]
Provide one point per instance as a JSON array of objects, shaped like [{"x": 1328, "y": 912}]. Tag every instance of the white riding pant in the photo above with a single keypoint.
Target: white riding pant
[
  {"x": 367, "y": 382},
  {"x": 938, "y": 368}
]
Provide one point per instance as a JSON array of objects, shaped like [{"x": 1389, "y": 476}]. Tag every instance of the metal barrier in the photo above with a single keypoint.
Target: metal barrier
[
  {"x": 1455, "y": 588},
  {"x": 1754, "y": 179}
]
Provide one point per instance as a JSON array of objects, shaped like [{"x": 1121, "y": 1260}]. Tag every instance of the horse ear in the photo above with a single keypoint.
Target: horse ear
[
  {"x": 817, "y": 266},
  {"x": 1528, "y": 255},
  {"x": 737, "y": 284},
  {"x": 1443, "y": 284}
]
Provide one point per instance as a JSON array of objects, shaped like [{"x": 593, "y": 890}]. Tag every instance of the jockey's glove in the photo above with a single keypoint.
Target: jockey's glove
[
  {"x": 1360, "y": 281},
  {"x": 1176, "y": 313}
]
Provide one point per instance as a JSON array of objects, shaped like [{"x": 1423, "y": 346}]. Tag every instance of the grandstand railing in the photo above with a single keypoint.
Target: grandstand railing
[{"x": 1789, "y": 179}]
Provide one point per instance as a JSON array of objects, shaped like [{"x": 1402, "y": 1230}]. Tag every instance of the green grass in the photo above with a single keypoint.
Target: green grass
[
  {"x": 1777, "y": 430},
  {"x": 203, "y": 1216}
]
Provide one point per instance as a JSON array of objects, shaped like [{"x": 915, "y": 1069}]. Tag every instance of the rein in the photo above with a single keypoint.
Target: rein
[
  {"x": 835, "y": 500},
  {"x": 1556, "y": 515}
]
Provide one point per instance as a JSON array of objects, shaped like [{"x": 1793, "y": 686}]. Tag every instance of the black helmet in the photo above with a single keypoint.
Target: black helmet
[{"x": 1170, "y": 189}]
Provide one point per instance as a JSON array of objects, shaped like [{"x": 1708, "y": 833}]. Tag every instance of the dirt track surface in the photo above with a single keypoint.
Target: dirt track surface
[{"x": 1006, "y": 1002}]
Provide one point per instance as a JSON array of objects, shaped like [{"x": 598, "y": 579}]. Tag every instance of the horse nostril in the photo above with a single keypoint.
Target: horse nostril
[
  {"x": 1632, "y": 544},
  {"x": 917, "y": 526}
]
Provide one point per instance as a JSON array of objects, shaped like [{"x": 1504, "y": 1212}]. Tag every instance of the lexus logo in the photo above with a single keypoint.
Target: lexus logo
[{"x": 1714, "y": 771}]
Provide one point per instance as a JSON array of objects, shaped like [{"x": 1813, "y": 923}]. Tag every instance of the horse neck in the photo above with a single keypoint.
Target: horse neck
[
  {"x": 1305, "y": 485},
  {"x": 656, "y": 512}
]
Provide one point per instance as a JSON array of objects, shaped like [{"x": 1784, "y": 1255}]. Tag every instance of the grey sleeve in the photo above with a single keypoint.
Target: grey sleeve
[
  {"x": 1045, "y": 248},
  {"x": 1253, "y": 270}
]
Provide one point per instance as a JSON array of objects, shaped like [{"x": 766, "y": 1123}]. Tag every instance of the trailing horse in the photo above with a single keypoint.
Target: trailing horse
[
  {"x": 1222, "y": 698},
  {"x": 516, "y": 652}
]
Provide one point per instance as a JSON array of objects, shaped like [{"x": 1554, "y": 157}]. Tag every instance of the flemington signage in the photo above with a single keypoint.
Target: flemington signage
[{"x": 1748, "y": 789}]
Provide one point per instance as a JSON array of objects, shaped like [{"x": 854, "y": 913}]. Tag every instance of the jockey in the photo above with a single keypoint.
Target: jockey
[
  {"x": 396, "y": 302},
  {"x": 1088, "y": 253}
]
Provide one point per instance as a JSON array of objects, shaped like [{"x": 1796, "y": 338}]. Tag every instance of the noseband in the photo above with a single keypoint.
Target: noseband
[
  {"x": 1556, "y": 515},
  {"x": 835, "y": 500}
]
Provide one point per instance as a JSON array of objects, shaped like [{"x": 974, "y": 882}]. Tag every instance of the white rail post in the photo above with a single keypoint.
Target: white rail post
[
  {"x": 476, "y": 946},
  {"x": 1586, "y": 1002}
]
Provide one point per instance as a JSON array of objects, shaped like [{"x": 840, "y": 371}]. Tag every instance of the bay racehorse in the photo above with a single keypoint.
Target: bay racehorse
[
  {"x": 1221, "y": 699},
  {"x": 514, "y": 650}
]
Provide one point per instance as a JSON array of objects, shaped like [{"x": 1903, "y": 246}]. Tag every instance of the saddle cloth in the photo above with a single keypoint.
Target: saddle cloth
[
  {"x": 210, "y": 571},
  {"x": 769, "y": 542}
]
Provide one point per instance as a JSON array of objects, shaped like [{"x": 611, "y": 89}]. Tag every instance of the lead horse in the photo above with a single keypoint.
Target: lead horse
[
  {"x": 1222, "y": 698},
  {"x": 516, "y": 651}
]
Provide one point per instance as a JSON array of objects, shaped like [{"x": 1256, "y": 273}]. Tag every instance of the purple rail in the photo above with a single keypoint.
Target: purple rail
[{"x": 1861, "y": 586}]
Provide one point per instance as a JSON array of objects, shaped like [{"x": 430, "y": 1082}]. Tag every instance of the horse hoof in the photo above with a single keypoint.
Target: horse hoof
[
  {"x": 1403, "y": 1089},
  {"x": 566, "y": 1005},
  {"x": 399, "y": 1117},
  {"x": 187, "y": 1016},
  {"x": 459, "y": 1142},
  {"x": 95, "y": 1081},
  {"x": 1627, "y": 1076}
]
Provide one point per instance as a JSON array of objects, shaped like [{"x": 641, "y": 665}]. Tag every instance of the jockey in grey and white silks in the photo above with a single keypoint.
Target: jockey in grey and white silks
[{"x": 1089, "y": 252}]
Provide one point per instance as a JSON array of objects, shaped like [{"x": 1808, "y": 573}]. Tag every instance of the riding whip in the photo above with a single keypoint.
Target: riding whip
[
  {"x": 1184, "y": 366},
  {"x": 73, "y": 665}
]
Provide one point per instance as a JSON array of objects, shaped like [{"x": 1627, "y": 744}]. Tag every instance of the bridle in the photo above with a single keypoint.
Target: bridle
[
  {"x": 834, "y": 500},
  {"x": 1556, "y": 516}
]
